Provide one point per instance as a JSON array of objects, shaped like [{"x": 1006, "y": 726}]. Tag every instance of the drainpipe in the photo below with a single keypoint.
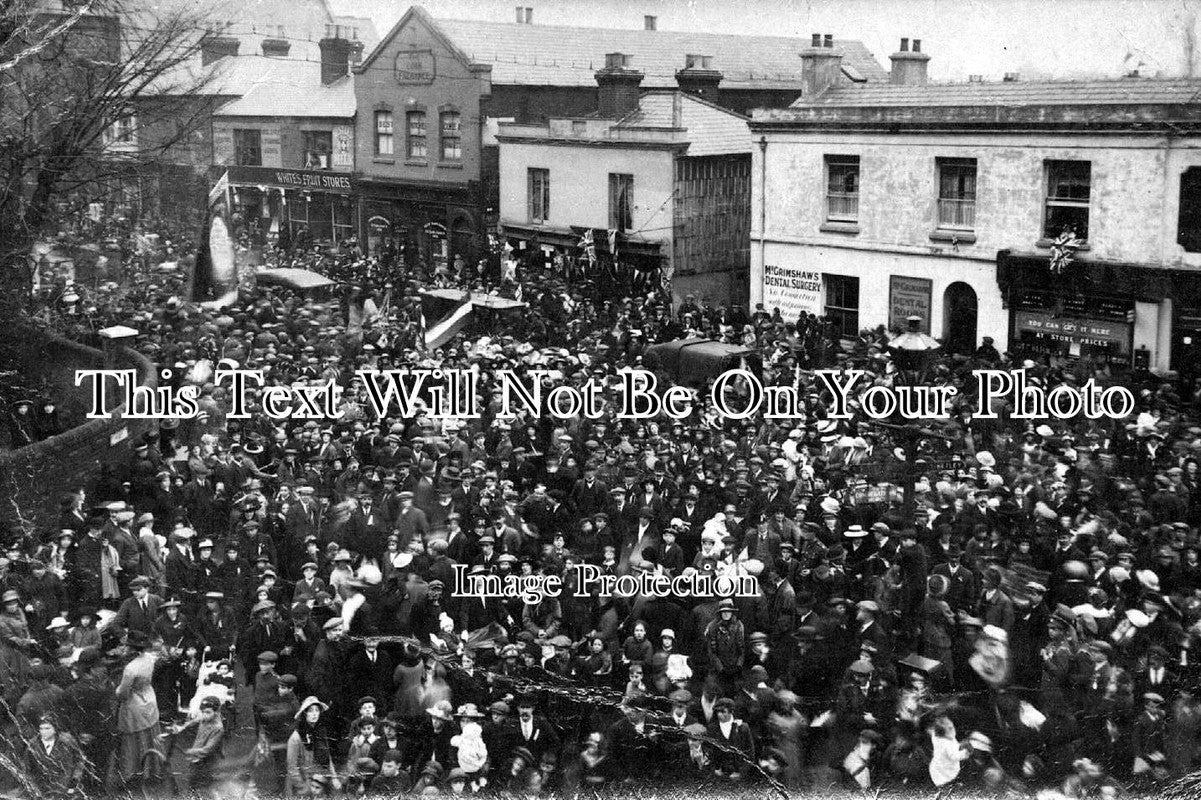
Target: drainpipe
[
  {"x": 1167, "y": 307},
  {"x": 762, "y": 213}
]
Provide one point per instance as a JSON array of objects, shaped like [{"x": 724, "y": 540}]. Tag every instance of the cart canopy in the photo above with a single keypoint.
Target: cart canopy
[{"x": 694, "y": 361}]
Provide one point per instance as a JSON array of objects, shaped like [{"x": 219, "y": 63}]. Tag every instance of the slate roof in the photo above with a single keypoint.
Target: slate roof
[
  {"x": 555, "y": 55},
  {"x": 280, "y": 87},
  {"x": 1120, "y": 91},
  {"x": 300, "y": 19},
  {"x": 709, "y": 129}
]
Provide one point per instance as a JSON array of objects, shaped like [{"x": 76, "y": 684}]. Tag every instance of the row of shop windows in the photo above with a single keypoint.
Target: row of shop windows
[
  {"x": 416, "y": 137},
  {"x": 1066, "y": 199},
  {"x": 248, "y": 148},
  {"x": 325, "y": 217}
]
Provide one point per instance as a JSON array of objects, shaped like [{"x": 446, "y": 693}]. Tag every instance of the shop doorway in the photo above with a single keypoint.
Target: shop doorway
[
  {"x": 959, "y": 309},
  {"x": 1186, "y": 344},
  {"x": 462, "y": 240}
]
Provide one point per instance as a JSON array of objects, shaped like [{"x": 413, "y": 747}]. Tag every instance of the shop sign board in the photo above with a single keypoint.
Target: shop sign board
[
  {"x": 1074, "y": 332},
  {"x": 792, "y": 290},
  {"x": 343, "y": 136},
  {"x": 909, "y": 297},
  {"x": 291, "y": 179},
  {"x": 415, "y": 67}
]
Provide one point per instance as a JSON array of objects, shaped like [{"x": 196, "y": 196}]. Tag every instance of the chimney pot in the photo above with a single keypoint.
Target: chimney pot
[
  {"x": 975, "y": 79},
  {"x": 821, "y": 67},
  {"x": 1011, "y": 77},
  {"x": 698, "y": 78},
  {"x": 335, "y": 58},
  {"x": 618, "y": 87},
  {"x": 829, "y": 40},
  {"x": 909, "y": 66}
]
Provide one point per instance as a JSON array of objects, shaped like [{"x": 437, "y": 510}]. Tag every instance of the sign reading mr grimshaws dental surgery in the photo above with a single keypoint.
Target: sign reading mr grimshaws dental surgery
[{"x": 792, "y": 290}]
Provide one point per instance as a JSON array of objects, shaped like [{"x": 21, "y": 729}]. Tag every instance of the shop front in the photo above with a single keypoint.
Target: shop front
[
  {"x": 1100, "y": 329},
  {"x": 1118, "y": 315},
  {"x": 410, "y": 226},
  {"x": 615, "y": 265},
  {"x": 291, "y": 208}
]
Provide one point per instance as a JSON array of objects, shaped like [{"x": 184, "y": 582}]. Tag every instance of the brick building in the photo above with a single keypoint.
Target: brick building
[
  {"x": 287, "y": 142},
  {"x": 432, "y": 93}
]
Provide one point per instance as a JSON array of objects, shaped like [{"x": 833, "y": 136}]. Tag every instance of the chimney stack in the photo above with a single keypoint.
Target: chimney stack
[
  {"x": 909, "y": 65},
  {"x": 276, "y": 48},
  {"x": 650, "y": 23},
  {"x": 618, "y": 87},
  {"x": 215, "y": 48},
  {"x": 698, "y": 78},
  {"x": 335, "y": 57},
  {"x": 821, "y": 66}
]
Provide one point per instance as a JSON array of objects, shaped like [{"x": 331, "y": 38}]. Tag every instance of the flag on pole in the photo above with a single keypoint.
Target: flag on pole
[
  {"x": 449, "y": 321},
  {"x": 588, "y": 242}
]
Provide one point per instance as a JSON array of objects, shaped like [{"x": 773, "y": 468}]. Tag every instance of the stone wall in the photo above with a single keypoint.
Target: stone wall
[{"x": 33, "y": 479}]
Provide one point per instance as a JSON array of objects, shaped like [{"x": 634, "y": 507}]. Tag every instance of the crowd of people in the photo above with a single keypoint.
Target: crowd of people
[{"x": 276, "y": 601}]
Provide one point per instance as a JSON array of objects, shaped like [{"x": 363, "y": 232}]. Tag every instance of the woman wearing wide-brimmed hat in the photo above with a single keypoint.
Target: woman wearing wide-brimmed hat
[
  {"x": 137, "y": 715},
  {"x": 309, "y": 751}
]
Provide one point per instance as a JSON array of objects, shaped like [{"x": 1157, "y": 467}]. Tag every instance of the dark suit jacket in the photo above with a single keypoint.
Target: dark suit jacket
[
  {"x": 739, "y": 738},
  {"x": 131, "y": 617},
  {"x": 372, "y": 679},
  {"x": 366, "y": 533},
  {"x": 543, "y": 740},
  {"x": 182, "y": 575}
]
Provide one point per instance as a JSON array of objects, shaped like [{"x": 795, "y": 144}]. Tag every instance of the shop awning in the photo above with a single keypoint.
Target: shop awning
[
  {"x": 1020, "y": 272},
  {"x": 570, "y": 239}
]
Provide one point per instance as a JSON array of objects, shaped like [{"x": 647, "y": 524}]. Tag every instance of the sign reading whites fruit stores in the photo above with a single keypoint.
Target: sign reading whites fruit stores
[
  {"x": 415, "y": 67},
  {"x": 321, "y": 181},
  {"x": 792, "y": 290}
]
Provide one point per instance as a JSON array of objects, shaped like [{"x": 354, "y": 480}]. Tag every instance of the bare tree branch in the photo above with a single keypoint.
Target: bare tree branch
[
  {"x": 67, "y": 79},
  {"x": 41, "y": 39}
]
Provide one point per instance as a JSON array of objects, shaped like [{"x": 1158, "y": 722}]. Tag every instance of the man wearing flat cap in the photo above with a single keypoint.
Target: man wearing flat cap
[
  {"x": 182, "y": 572},
  {"x": 266, "y": 632},
  {"x": 870, "y": 629}
]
